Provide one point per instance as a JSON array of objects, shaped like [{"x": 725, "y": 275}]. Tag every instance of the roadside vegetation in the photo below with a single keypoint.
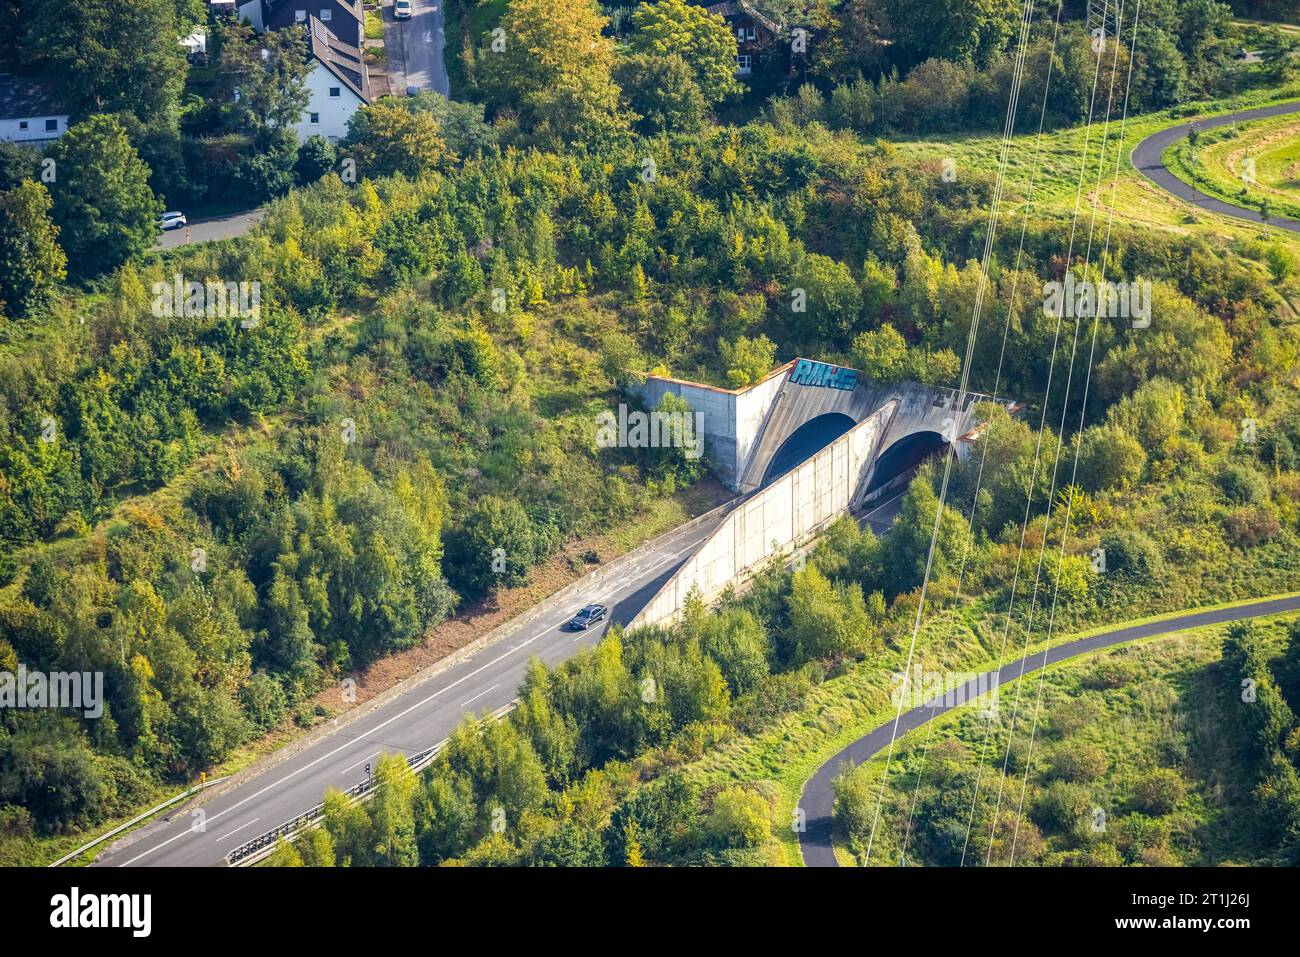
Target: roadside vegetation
[
  {"x": 228, "y": 517},
  {"x": 1173, "y": 751},
  {"x": 1256, "y": 165}
]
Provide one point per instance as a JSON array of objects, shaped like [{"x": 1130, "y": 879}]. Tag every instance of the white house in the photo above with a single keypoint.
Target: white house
[
  {"x": 337, "y": 84},
  {"x": 29, "y": 110}
]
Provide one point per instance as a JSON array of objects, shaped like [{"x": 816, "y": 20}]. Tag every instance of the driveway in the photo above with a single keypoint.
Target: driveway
[
  {"x": 205, "y": 230},
  {"x": 414, "y": 48},
  {"x": 1148, "y": 158}
]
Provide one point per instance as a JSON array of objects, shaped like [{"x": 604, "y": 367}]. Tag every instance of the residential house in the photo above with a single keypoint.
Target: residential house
[
  {"x": 346, "y": 19},
  {"x": 755, "y": 31},
  {"x": 30, "y": 110},
  {"x": 338, "y": 84}
]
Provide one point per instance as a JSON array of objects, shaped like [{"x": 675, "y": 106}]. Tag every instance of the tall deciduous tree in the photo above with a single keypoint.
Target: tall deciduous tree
[
  {"x": 551, "y": 64},
  {"x": 965, "y": 30},
  {"x": 264, "y": 78},
  {"x": 388, "y": 137},
  {"x": 31, "y": 261},
  {"x": 103, "y": 205},
  {"x": 108, "y": 56},
  {"x": 702, "y": 39}
]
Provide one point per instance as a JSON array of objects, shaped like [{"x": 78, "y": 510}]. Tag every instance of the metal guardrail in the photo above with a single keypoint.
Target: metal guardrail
[
  {"x": 359, "y": 792},
  {"x": 189, "y": 792}
]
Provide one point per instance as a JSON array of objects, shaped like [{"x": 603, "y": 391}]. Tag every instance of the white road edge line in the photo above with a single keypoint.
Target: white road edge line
[{"x": 351, "y": 742}]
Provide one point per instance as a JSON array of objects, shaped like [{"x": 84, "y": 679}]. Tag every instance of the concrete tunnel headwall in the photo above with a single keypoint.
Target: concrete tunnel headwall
[
  {"x": 780, "y": 518},
  {"x": 745, "y": 430}
]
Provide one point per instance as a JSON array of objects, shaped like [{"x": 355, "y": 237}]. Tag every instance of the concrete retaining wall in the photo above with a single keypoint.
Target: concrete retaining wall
[
  {"x": 779, "y": 518},
  {"x": 733, "y": 419}
]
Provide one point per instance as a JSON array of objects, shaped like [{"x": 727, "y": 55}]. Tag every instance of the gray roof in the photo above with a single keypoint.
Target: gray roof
[
  {"x": 24, "y": 96},
  {"x": 735, "y": 8},
  {"x": 342, "y": 60},
  {"x": 348, "y": 19}
]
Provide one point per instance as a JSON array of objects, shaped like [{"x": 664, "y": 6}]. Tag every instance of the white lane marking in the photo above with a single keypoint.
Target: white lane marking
[
  {"x": 342, "y": 747},
  {"x": 236, "y": 830},
  {"x": 328, "y": 755},
  {"x": 479, "y": 695},
  {"x": 888, "y": 501}
]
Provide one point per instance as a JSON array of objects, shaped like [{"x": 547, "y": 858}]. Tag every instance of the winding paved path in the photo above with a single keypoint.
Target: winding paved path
[
  {"x": 817, "y": 800},
  {"x": 1148, "y": 159}
]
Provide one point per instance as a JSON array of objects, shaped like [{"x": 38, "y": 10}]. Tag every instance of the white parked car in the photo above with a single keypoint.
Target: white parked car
[
  {"x": 172, "y": 221},
  {"x": 402, "y": 9}
]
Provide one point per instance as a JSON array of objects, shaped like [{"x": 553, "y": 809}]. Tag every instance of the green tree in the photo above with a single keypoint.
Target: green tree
[
  {"x": 747, "y": 360},
  {"x": 739, "y": 818},
  {"x": 1109, "y": 458},
  {"x": 828, "y": 296},
  {"x": 263, "y": 78},
  {"x": 316, "y": 848},
  {"x": 107, "y": 56},
  {"x": 387, "y": 137},
  {"x": 17, "y": 163},
  {"x": 661, "y": 91},
  {"x": 316, "y": 158},
  {"x": 826, "y": 619},
  {"x": 971, "y": 31},
  {"x": 906, "y": 550},
  {"x": 494, "y": 545},
  {"x": 737, "y": 641},
  {"x": 391, "y": 812},
  {"x": 881, "y": 353},
  {"x": 553, "y": 67},
  {"x": 103, "y": 206},
  {"x": 703, "y": 39},
  {"x": 855, "y": 804},
  {"x": 31, "y": 262}
]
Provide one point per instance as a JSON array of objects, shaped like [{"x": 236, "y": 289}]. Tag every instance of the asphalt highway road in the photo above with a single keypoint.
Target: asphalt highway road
[
  {"x": 410, "y": 723},
  {"x": 1148, "y": 159},
  {"x": 817, "y": 801}
]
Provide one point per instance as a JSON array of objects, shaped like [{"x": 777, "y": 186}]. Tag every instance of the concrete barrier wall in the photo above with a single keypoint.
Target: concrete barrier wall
[
  {"x": 733, "y": 418},
  {"x": 776, "y": 520}
]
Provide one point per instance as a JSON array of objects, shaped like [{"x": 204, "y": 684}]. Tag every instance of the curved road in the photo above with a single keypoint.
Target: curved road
[
  {"x": 1148, "y": 159},
  {"x": 817, "y": 800}
]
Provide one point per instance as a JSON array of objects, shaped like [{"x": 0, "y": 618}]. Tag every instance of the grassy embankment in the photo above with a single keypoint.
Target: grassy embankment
[
  {"x": 1135, "y": 712},
  {"x": 1220, "y": 165},
  {"x": 849, "y": 705},
  {"x": 1047, "y": 175}
]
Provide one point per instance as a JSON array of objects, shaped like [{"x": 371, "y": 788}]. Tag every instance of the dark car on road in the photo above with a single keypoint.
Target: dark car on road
[{"x": 588, "y": 617}]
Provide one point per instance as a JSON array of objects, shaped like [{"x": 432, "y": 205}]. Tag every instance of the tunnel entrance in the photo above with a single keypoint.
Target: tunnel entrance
[
  {"x": 901, "y": 458},
  {"x": 805, "y": 442}
]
